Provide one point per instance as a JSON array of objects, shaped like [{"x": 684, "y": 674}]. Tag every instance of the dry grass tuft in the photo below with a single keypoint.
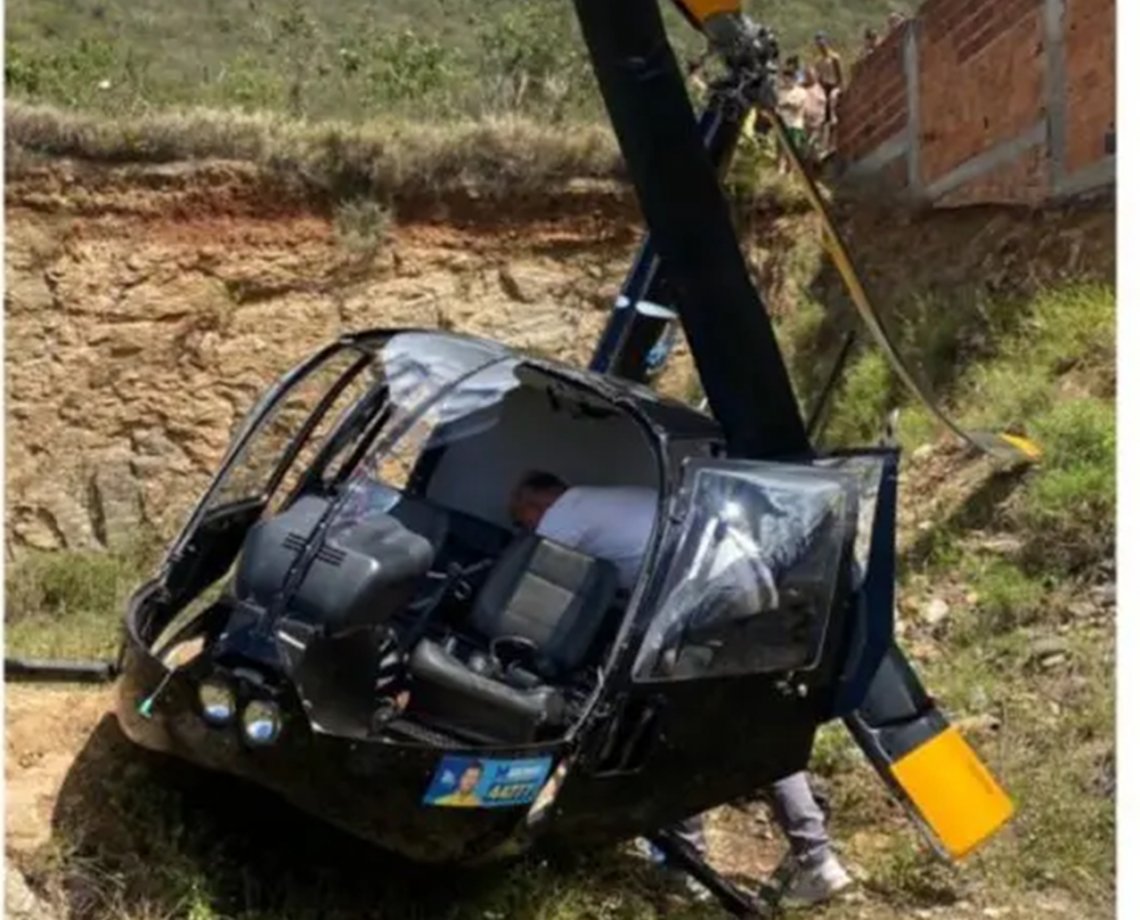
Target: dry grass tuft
[{"x": 387, "y": 158}]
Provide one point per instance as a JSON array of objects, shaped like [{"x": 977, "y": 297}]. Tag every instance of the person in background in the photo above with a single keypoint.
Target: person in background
[
  {"x": 871, "y": 41},
  {"x": 790, "y": 105},
  {"x": 815, "y": 116},
  {"x": 829, "y": 70}
]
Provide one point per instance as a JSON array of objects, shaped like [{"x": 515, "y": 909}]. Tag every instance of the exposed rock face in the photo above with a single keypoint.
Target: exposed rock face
[
  {"x": 147, "y": 308},
  {"x": 138, "y": 335}
]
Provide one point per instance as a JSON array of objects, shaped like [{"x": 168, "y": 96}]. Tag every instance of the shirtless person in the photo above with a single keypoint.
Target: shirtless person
[
  {"x": 791, "y": 101},
  {"x": 829, "y": 69},
  {"x": 815, "y": 116},
  {"x": 615, "y": 523}
]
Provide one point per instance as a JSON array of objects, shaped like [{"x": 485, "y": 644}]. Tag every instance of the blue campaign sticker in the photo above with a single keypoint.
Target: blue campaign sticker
[{"x": 483, "y": 782}]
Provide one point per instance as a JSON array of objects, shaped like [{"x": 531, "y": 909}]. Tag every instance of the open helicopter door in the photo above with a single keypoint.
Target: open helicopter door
[
  {"x": 769, "y": 611},
  {"x": 718, "y": 687}
]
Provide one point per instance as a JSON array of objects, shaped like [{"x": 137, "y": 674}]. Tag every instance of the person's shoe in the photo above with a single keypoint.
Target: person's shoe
[
  {"x": 673, "y": 877},
  {"x": 810, "y": 885},
  {"x": 685, "y": 882}
]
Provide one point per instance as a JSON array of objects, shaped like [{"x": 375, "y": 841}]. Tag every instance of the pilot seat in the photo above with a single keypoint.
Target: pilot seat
[{"x": 536, "y": 619}]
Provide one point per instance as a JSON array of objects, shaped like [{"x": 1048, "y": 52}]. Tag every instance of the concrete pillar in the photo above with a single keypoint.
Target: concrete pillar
[
  {"x": 1055, "y": 90},
  {"x": 913, "y": 123}
]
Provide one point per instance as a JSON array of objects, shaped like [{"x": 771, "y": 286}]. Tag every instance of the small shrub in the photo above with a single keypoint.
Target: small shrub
[
  {"x": 55, "y": 584},
  {"x": 362, "y": 224},
  {"x": 406, "y": 67},
  {"x": 1076, "y": 326},
  {"x": 1005, "y": 395},
  {"x": 1007, "y": 597},
  {"x": 69, "y": 602}
]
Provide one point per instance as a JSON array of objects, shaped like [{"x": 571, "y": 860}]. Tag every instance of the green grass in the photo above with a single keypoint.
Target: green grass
[
  {"x": 70, "y": 604},
  {"x": 345, "y": 59},
  {"x": 1045, "y": 365}
]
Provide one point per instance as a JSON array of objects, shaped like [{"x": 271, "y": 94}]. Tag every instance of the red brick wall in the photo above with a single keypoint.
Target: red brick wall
[
  {"x": 1090, "y": 68},
  {"x": 873, "y": 107},
  {"x": 1024, "y": 180},
  {"x": 984, "y": 80},
  {"x": 981, "y": 78}
]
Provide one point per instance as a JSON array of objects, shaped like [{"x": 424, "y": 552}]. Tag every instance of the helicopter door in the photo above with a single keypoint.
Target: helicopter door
[
  {"x": 722, "y": 693},
  {"x": 266, "y": 448}
]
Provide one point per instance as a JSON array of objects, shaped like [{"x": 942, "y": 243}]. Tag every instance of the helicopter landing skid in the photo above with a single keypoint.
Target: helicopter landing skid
[{"x": 680, "y": 854}]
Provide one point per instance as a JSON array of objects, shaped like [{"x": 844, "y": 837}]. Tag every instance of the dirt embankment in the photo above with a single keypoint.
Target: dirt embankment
[{"x": 147, "y": 306}]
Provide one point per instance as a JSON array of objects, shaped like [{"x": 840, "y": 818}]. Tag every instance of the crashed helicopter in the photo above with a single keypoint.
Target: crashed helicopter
[{"x": 371, "y": 640}]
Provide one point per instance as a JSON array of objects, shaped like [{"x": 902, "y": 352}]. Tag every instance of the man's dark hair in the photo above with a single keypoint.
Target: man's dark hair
[{"x": 541, "y": 481}]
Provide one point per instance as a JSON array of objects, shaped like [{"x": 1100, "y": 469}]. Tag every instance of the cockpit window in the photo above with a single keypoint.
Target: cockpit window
[
  {"x": 751, "y": 585},
  {"x": 330, "y": 409},
  {"x": 408, "y": 436},
  {"x": 251, "y": 472}
]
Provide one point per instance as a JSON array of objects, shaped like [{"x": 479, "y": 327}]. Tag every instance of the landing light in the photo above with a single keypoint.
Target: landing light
[
  {"x": 217, "y": 702},
  {"x": 261, "y": 722}
]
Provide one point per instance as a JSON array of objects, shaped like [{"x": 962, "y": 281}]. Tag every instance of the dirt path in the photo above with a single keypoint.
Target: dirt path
[
  {"x": 48, "y": 727},
  {"x": 45, "y": 729}
]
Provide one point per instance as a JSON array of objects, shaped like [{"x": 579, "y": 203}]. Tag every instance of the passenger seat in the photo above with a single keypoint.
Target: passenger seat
[{"x": 540, "y": 591}]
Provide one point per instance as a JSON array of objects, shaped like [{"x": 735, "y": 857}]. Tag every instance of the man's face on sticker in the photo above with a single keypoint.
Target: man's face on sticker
[{"x": 470, "y": 778}]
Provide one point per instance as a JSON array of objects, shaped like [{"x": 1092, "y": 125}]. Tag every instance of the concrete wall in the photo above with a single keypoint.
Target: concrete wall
[{"x": 986, "y": 101}]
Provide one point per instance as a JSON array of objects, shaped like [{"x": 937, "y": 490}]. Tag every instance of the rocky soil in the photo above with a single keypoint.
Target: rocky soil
[{"x": 147, "y": 308}]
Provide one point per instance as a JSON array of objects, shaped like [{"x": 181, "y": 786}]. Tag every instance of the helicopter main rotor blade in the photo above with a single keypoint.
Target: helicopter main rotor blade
[
  {"x": 1002, "y": 445},
  {"x": 724, "y": 319},
  {"x": 926, "y": 762},
  {"x": 49, "y": 671}
]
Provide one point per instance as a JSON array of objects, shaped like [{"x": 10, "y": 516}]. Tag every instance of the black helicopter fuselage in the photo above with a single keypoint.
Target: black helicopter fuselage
[
  {"x": 635, "y": 748},
  {"x": 764, "y": 607}
]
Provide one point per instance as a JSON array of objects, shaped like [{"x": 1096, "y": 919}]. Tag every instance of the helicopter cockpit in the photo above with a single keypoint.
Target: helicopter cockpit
[
  {"x": 350, "y": 597},
  {"x": 383, "y": 576}
]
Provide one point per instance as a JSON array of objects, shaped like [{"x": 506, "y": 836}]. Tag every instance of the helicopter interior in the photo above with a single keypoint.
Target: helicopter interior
[{"x": 424, "y": 615}]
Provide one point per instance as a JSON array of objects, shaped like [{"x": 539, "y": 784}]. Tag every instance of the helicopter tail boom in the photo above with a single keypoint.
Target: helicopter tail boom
[{"x": 729, "y": 331}]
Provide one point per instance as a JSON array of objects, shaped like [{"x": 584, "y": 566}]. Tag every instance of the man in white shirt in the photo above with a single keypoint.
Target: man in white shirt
[
  {"x": 607, "y": 522},
  {"x": 615, "y": 523}
]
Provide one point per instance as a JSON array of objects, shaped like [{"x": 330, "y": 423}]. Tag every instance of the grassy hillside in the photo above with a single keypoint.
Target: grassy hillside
[{"x": 345, "y": 59}]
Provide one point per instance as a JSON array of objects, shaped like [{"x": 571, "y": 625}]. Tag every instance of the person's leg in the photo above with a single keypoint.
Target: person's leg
[
  {"x": 800, "y": 818},
  {"x": 810, "y": 873},
  {"x": 692, "y": 831}
]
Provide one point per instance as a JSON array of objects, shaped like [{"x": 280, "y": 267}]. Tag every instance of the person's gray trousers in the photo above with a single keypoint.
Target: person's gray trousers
[{"x": 797, "y": 813}]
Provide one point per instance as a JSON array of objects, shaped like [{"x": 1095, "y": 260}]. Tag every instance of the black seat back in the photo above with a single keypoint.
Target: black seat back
[{"x": 549, "y": 594}]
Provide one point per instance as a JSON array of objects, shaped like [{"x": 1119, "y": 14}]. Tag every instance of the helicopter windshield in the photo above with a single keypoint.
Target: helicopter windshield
[
  {"x": 324, "y": 411},
  {"x": 415, "y": 545}
]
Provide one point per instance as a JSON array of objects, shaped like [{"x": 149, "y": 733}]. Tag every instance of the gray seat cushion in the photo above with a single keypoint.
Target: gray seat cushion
[
  {"x": 549, "y": 594},
  {"x": 552, "y": 596},
  {"x": 449, "y": 692}
]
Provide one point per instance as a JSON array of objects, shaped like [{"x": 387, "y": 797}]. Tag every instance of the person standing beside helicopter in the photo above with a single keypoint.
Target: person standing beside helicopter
[{"x": 615, "y": 523}]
